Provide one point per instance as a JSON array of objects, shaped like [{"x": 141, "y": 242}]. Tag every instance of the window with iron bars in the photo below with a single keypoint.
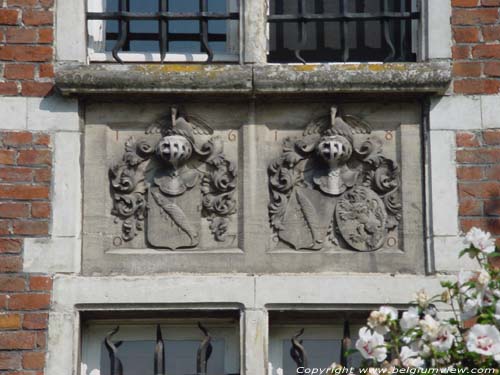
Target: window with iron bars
[
  {"x": 300, "y": 31},
  {"x": 163, "y": 30},
  {"x": 315, "y": 31}
]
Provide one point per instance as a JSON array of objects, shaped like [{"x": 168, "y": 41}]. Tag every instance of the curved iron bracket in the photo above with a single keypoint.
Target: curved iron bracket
[
  {"x": 298, "y": 352},
  {"x": 116, "y": 367},
  {"x": 204, "y": 352}
]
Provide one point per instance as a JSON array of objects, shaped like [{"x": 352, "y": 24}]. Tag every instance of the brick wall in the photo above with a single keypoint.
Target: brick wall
[
  {"x": 25, "y": 211},
  {"x": 476, "y": 51},
  {"x": 26, "y": 51}
]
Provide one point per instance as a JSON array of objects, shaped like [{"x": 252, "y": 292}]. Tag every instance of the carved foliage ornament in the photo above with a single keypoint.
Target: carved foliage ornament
[
  {"x": 172, "y": 182},
  {"x": 323, "y": 188}
]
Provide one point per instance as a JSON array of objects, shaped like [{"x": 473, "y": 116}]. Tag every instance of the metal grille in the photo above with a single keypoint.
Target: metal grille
[
  {"x": 124, "y": 36},
  {"x": 343, "y": 30}
]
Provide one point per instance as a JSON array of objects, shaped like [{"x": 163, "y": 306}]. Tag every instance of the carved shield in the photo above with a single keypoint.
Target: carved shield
[
  {"x": 307, "y": 219},
  {"x": 174, "y": 222},
  {"x": 361, "y": 219}
]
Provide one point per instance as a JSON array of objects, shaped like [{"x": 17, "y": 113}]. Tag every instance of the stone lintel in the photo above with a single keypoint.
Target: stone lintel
[{"x": 247, "y": 80}]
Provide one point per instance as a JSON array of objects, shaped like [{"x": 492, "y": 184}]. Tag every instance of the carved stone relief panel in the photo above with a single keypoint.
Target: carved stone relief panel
[
  {"x": 171, "y": 182},
  {"x": 326, "y": 191}
]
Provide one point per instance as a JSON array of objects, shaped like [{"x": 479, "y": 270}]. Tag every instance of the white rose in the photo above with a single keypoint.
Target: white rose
[
  {"x": 430, "y": 327},
  {"x": 409, "y": 319},
  {"x": 371, "y": 345},
  {"x": 484, "y": 340},
  {"x": 445, "y": 339},
  {"x": 480, "y": 240},
  {"x": 410, "y": 358}
]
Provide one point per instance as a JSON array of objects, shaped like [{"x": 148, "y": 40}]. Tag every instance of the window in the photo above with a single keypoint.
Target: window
[
  {"x": 311, "y": 31},
  {"x": 163, "y": 30},
  {"x": 173, "y": 346}
]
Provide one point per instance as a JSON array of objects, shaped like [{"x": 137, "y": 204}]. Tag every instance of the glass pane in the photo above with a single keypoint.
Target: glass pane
[
  {"x": 183, "y": 5},
  {"x": 137, "y": 357},
  {"x": 184, "y": 47},
  {"x": 181, "y": 27},
  {"x": 143, "y": 6}
]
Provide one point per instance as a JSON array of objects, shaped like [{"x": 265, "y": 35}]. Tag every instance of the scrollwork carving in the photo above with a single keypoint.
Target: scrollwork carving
[{"x": 323, "y": 188}]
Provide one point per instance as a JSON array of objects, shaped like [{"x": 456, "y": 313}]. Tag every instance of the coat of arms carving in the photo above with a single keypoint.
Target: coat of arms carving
[
  {"x": 165, "y": 186},
  {"x": 325, "y": 189}
]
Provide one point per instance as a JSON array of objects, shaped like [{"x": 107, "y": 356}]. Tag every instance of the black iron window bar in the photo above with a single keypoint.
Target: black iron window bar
[
  {"x": 403, "y": 17},
  {"x": 163, "y": 16},
  {"x": 299, "y": 354},
  {"x": 202, "y": 356}
]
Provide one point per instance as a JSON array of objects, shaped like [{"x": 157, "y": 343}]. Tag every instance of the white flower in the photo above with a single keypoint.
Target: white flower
[
  {"x": 279, "y": 371},
  {"x": 470, "y": 308},
  {"x": 430, "y": 327},
  {"x": 409, "y": 319},
  {"x": 445, "y": 339},
  {"x": 371, "y": 345},
  {"x": 422, "y": 298},
  {"x": 410, "y": 358},
  {"x": 483, "y": 279},
  {"x": 497, "y": 311},
  {"x": 379, "y": 320},
  {"x": 484, "y": 340},
  {"x": 480, "y": 240}
]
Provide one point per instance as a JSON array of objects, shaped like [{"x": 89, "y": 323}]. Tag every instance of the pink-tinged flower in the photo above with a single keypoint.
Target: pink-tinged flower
[
  {"x": 380, "y": 319},
  {"x": 410, "y": 358},
  {"x": 445, "y": 338},
  {"x": 480, "y": 240},
  {"x": 484, "y": 340},
  {"x": 371, "y": 345},
  {"x": 409, "y": 319}
]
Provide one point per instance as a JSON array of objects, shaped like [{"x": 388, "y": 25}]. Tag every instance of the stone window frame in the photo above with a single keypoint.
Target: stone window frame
[
  {"x": 71, "y": 31},
  {"x": 96, "y": 37}
]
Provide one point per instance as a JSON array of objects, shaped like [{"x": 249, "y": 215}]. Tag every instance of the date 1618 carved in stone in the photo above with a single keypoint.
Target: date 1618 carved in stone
[
  {"x": 172, "y": 182},
  {"x": 323, "y": 188}
]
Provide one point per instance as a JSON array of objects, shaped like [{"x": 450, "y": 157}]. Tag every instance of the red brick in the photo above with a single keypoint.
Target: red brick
[
  {"x": 7, "y": 157},
  {"x": 4, "y": 227},
  {"x": 8, "y": 88},
  {"x": 491, "y": 225},
  {"x": 20, "y": 36},
  {"x": 491, "y": 33},
  {"x": 478, "y": 156},
  {"x": 474, "y": 16},
  {"x": 492, "y": 208},
  {"x": 17, "y": 340},
  {"x": 47, "y": 3},
  {"x": 492, "y": 69},
  {"x": 467, "y": 139},
  {"x": 41, "y": 340},
  {"x": 16, "y": 174},
  {"x": 11, "y": 263},
  {"x": 467, "y": 69},
  {"x": 3, "y": 301},
  {"x": 10, "y": 245},
  {"x": 46, "y": 71},
  {"x": 43, "y": 175},
  {"x": 40, "y": 210},
  {"x": 466, "y": 34},
  {"x": 33, "y": 360},
  {"x": 14, "y": 210},
  {"x": 470, "y": 207},
  {"x": 29, "y": 301},
  {"x": 479, "y": 86},
  {"x": 490, "y": 3},
  {"x": 38, "y": 17},
  {"x": 35, "y": 321},
  {"x": 36, "y": 88},
  {"x": 30, "y": 228},
  {"x": 492, "y": 137},
  {"x": 26, "y": 53},
  {"x": 46, "y": 35},
  {"x": 470, "y": 173},
  {"x": 485, "y": 190},
  {"x": 17, "y": 138},
  {"x": 34, "y": 157},
  {"x": 21, "y": 3},
  {"x": 14, "y": 71},
  {"x": 486, "y": 51},
  {"x": 38, "y": 283},
  {"x": 460, "y": 52},
  {"x": 8, "y": 16},
  {"x": 8, "y": 191},
  {"x": 10, "y": 360},
  {"x": 493, "y": 172},
  {"x": 10, "y": 321},
  {"x": 12, "y": 284},
  {"x": 42, "y": 139},
  {"x": 464, "y": 3}
]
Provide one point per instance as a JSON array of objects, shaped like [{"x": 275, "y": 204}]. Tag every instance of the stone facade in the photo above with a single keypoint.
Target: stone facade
[{"x": 56, "y": 151}]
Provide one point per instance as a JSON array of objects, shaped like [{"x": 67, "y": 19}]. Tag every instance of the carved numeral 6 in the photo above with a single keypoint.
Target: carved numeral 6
[{"x": 231, "y": 136}]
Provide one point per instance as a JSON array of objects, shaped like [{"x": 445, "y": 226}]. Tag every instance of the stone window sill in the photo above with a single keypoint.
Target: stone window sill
[{"x": 247, "y": 80}]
